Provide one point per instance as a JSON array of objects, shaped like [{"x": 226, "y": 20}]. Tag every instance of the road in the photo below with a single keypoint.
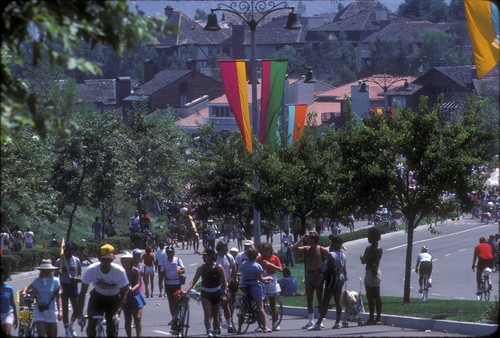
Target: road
[{"x": 453, "y": 278}]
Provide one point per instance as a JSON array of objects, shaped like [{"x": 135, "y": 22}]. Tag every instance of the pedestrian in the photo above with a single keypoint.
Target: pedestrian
[
  {"x": 242, "y": 256},
  {"x": 29, "y": 238},
  {"x": 4, "y": 241},
  {"x": 109, "y": 294},
  {"x": 373, "y": 275},
  {"x": 212, "y": 278},
  {"x": 159, "y": 257},
  {"x": 271, "y": 263},
  {"x": 47, "y": 291},
  {"x": 8, "y": 305},
  {"x": 173, "y": 268},
  {"x": 110, "y": 228},
  {"x": 240, "y": 236},
  {"x": 251, "y": 277},
  {"x": 313, "y": 275},
  {"x": 288, "y": 242},
  {"x": 288, "y": 283},
  {"x": 334, "y": 225},
  {"x": 234, "y": 252},
  {"x": 97, "y": 228},
  {"x": 148, "y": 260},
  {"x": 145, "y": 222},
  {"x": 70, "y": 272},
  {"x": 135, "y": 300},
  {"x": 134, "y": 225},
  {"x": 269, "y": 235},
  {"x": 335, "y": 276},
  {"x": 18, "y": 238},
  {"x": 211, "y": 234},
  {"x": 227, "y": 262}
]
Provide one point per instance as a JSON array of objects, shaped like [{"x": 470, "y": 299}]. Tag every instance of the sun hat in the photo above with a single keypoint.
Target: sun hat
[
  {"x": 234, "y": 249},
  {"x": 46, "y": 264},
  {"x": 127, "y": 255},
  {"x": 107, "y": 251},
  {"x": 248, "y": 242},
  {"x": 137, "y": 252}
]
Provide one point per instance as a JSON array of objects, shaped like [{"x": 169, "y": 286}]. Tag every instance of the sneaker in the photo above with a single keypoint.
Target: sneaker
[
  {"x": 259, "y": 329},
  {"x": 336, "y": 326},
  {"x": 210, "y": 333},
  {"x": 478, "y": 292},
  {"x": 231, "y": 330},
  {"x": 429, "y": 282},
  {"x": 224, "y": 325},
  {"x": 420, "y": 290},
  {"x": 73, "y": 333},
  {"x": 67, "y": 333},
  {"x": 308, "y": 325},
  {"x": 314, "y": 327},
  {"x": 160, "y": 295},
  {"x": 276, "y": 328},
  {"x": 490, "y": 287}
]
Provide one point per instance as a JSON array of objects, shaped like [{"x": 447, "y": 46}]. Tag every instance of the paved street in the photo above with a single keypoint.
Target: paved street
[{"x": 453, "y": 279}]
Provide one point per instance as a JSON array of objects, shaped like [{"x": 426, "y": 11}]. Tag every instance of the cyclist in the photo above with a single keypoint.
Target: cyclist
[
  {"x": 70, "y": 271},
  {"x": 212, "y": 277},
  {"x": 227, "y": 262},
  {"x": 424, "y": 267},
  {"x": 173, "y": 268},
  {"x": 8, "y": 306},
  {"x": 110, "y": 290},
  {"x": 271, "y": 263},
  {"x": 484, "y": 257}
]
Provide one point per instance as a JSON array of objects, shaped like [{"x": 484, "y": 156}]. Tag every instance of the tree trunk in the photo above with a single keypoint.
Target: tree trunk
[
  {"x": 303, "y": 224},
  {"x": 409, "y": 248},
  {"x": 70, "y": 226}
]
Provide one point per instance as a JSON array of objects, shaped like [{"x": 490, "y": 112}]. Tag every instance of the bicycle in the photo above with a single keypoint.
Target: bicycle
[
  {"x": 180, "y": 326},
  {"x": 149, "y": 239},
  {"x": 100, "y": 329},
  {"x": 425, "y": 288},
  {"x": 485, "y": 287},
  {"x": 27, "y": 327}
]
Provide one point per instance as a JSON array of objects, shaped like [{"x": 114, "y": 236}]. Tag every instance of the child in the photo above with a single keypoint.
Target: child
[
  {"x": 288, "y": 283},
  {"x": 8, "y": 306}
]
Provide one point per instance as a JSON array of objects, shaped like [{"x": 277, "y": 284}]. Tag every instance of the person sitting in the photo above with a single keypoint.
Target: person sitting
[{"x": 288, "y": 283}]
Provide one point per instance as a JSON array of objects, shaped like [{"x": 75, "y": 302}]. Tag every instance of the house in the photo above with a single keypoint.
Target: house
[{"x": 104, "y": 94}]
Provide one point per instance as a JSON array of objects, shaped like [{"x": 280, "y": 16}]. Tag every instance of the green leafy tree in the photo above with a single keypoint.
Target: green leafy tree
[
  {"x": 200, "y": 15},
  {"x": 388, "y": 57},
  {"x": 424, "y": 10},
  {"x": 437, "y": 158}
]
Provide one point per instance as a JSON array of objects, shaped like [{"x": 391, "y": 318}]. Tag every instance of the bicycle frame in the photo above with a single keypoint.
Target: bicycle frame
[{"x": 425, "y": 288}]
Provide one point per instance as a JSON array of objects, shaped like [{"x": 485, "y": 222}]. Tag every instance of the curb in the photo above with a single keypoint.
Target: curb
[{"x": 436, "y": 325}]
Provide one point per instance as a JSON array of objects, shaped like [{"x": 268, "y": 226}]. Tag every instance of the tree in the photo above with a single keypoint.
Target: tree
[
  {"x": 200, "y": 15},
  {"x": 424, "y": 10},
  {"x": 36, "y": 23},
  {"x": 413, "y": 162}
]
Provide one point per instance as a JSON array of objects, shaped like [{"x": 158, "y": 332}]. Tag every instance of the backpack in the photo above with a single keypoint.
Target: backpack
[{"x": 333, "y": 267}]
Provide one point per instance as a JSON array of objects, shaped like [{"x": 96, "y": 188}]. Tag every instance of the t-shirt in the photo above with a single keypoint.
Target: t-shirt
[
  {"x": 160, "y": 255},
  {"x": 288, "y": 286},
  {"x": 45, "y": 288},
  {"x": 6, "y": 292},
  {"x": 483, "y": 251},
  {"x": 29, "y": 236},
  {"x": 268, "y": 269},
  {"x": 226, "y": 262},
  {"x": 108, "y": 284},
  {"x": 287, "y": 240},
  {"x": 4, "y": 241},
  {"x": 250, "y": 271},
  {"x": 424, "y": 257},
  {"x": 170, "y": 267},
  {"x": 240, "y": 258},
  {"x": 96, "y": 227},
  {"x": 65, "y": 276}
]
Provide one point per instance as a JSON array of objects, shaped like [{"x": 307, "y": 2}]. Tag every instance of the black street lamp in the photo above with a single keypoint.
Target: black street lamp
[
  {"x": 252, "y": 13},
  {"x": 385, "y": 82}
]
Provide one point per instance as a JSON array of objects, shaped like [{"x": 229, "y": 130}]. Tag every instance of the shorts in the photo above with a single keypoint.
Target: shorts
[
  {"x": 28, "y": 245},
  {"x": 256, "y": 291},
  {"x": 171, "y": 288},
  {"x": 371, "y": 280},
  {"x": 315, "y": 278},
  {"x": 69, "y": 290},
  {"x": 8, "y": 318},
  {"x": 149, "y": 270},
  {"x": 135, "y": 300},
  {"x": 47, "y": 316},
  {"x": 425, "y": 268},
  {"x": 100, "y": 304},
  {"x": 213, "y": 297},
  {"x": 273, "y": 287}
]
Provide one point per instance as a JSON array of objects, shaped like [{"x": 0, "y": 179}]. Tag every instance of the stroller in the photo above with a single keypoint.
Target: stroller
[{"x": 353, "y": 306}]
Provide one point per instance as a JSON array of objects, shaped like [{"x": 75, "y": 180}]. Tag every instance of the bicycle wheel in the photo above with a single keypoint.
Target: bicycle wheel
[
  {"x": 241, "y": 316},
  {"x": 32, "y": 331},
  {"x": 279, "y": 307},
  {"x": 183, "y": 319},
  {"x": 24, "y": 330}
]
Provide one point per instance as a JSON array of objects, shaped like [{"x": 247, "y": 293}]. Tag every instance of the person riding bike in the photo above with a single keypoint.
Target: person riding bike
[
  {"x": 424, "y": 267},
  {"x": 484, "y": 256}
]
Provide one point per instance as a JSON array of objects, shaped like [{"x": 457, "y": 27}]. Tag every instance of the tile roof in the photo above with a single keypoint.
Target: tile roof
[
  {"x": 357, "y": 7},
  {"x": 193, "y": 120},
  {"x": 97, "y": 91},
  {"x": 160, "y": 80},
  {"x": 409, "y": 31},
  {"x": 365, "y": 21},
  {"x": 462, "y": 75}
]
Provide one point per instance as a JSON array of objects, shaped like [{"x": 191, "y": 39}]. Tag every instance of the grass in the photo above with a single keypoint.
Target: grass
[{"x": 458, "y": 310}]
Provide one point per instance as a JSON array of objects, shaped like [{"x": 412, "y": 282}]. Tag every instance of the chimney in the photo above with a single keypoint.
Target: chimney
[
  {"x": 191, "y": 64},
  {"x": 123, "y": 88},
  {"x": 149, "y": 70},
  {"x": 169, "y": 10},
  {"x": 238, "y": 40}
]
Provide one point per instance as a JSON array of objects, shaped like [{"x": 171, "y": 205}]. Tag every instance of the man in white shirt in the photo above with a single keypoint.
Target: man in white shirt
[
  {"x": 242, "y": 256},
  {"x": 287, "y": 241},
  {"x": 227, "y": 262},
  {"x": 110, "y": 290},
  {"x": 173, "y": 268},
  {"x": 29, "y": 238},
  {"x": 160, "y": 255},
  {"x": 424, "y": 267}
]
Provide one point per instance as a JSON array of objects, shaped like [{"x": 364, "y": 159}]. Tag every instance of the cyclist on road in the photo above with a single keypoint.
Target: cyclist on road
[
  {"x": 271, "y": 263},
  {"x": 111, "y": 285},
  {"x": 484, "y": 257},
  {"x": 424, "y": 267},
  {"x": 173, "y": 268}
]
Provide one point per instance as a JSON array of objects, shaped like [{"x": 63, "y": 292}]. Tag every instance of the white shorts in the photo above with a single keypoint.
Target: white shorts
[
  {"x": 149, "y": 270},
  {"x": 273, "y": 287},
  {"x": 47, "y": 316},
  {"x": 8, "y": 318}
]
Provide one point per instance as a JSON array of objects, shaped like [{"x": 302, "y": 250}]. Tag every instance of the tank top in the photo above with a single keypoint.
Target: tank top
[{"x": 210, "y": 277}]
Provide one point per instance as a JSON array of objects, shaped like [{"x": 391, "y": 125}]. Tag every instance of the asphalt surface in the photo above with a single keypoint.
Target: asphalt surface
[{"x": 453, "y": 278}]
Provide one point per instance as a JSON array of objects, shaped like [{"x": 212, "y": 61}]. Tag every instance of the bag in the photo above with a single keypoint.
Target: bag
[
  {"x": 182, "y": 279},
  {"x": 42, "y": 307},
  {"x": 233, "y": 286}
]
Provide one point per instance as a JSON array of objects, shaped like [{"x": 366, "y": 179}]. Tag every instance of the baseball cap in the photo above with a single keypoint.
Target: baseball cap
[
  {"x": 248, "y": 242},
  {"x": 127, "y": 255},
  {"x": 137, "y": 252},
  {"x": 209, "y": 252},
  {"x": 107, "y": 251},
  {"x": 234, "y": 249}
]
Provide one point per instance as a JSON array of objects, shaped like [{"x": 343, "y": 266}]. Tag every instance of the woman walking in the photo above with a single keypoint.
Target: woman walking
[
  {"x": 135, "y": 300},
  {"x": 371, "y": 257}
]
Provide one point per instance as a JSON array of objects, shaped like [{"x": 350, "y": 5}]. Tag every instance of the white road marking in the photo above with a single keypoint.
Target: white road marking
[
  {"x": 163, "y": 332},
  {"x": 463, "y": 250},
  {"x": 439, "y": 237},
  {"x": 447, "y": 255},
  {"x": 193, "y": 264}
]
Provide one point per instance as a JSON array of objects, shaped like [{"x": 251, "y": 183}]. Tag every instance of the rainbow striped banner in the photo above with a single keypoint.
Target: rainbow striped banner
[
  {"x": 296, "y": 121},
  {"x": 484, "y": 29},
  {"x": 234, "y": 79},
  {"x": 273, "y": 84}
]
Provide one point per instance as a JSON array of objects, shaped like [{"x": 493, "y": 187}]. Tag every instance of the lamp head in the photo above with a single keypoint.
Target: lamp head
[
  {"x": 310, "y": 76},
  {"x": 293, "y": 22},
  {"x": 363, "y": 88},
  {"x": 212, "y": 24}
]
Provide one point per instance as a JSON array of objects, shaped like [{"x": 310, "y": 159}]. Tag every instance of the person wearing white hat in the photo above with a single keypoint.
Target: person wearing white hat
[
  {"x": 135, "y": 300},
  {"x": 47, "y": 291},
  {"x": 242, "y": 256}
]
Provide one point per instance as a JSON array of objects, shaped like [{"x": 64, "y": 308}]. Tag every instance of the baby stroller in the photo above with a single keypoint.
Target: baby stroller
[{"x": 353, "y": 306}]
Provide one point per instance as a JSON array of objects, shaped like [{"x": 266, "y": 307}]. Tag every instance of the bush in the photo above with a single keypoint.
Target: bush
[{"x": 10, "y": 262}]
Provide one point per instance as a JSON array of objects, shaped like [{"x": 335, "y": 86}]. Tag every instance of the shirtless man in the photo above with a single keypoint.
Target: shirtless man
[{"x": 313, "y": 275}]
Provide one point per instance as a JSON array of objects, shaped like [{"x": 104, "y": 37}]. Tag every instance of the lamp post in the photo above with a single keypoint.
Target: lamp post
[
  {"x": 385, "y": 82},
  {"x": 252, "y": 13}
]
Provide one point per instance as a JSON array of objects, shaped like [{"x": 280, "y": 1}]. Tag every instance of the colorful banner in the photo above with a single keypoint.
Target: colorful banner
[
  {"x": 378, "y": 111},
  {"x": 234, "y": 79},
  {"x": 273, "y": 83},
  {"x": 296, "y": 121},
  {"x": 483, "y": 22}
]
